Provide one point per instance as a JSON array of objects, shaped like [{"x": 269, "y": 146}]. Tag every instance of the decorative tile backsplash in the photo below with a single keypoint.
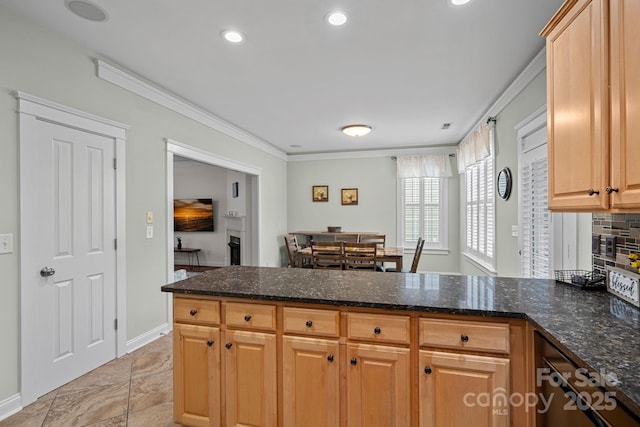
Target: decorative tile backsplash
[{"x": 626, "y": 229}]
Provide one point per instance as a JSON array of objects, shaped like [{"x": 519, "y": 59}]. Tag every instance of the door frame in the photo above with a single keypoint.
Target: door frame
[
  {"x": 30, "y": 110},
  {"x": 254, "y": 206}
]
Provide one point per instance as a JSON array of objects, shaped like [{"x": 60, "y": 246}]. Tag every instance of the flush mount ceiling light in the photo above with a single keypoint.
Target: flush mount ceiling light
[
  {"x": 336, "y": 18},
  {"x": 356, "y": 130},
  {"x": 459, "y": 2},
  {"x": 87, "y": 10},
  {"x": 233, "y": 36}
]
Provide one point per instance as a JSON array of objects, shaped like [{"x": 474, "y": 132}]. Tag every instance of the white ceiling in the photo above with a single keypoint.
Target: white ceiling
[{"x": 404, "y": 67}]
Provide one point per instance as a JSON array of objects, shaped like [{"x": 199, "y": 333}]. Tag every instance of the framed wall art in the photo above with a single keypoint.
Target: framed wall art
[
  {"x": 320, "y": 193},
  {"x": 349, "y": 196}
]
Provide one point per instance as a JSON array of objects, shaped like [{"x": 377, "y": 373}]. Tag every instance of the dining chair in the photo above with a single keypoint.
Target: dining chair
[
  {"x": 291, "y": 244},
  {"x": 360, "y": 256},
  {"x": 378, "y": 238},
  {"x": 328, "y": 255},
  {"x": 416, "y": 258},
  {"x": 295, "y": 258}
]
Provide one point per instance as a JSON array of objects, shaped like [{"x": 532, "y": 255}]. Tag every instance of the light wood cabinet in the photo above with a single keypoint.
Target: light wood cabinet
[
  {"x": 196, "y": 375},
  {"x": 593, "y": 93},
  {"x": 459, "y": 389},
  {"x": 311, "y": 382},
  {"x": 241, "y": 364},
  {"x": 378, "y": 386},
  {"x": 250, "y": 381},
  {"x": 457, "y": 385}
]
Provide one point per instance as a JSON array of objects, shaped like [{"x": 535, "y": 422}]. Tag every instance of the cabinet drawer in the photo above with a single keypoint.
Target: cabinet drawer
[
  {"x": 477, "y": 336},
  {"x": 378, "y": 327},
  {"x": 312, "y": 322},
  {"x": 252, "y": 316},
  {"x": 197, "y": 311}
]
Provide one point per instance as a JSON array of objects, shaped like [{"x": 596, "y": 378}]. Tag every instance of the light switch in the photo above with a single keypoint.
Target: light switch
[
  {"x": 6, "y": 243},
  {"x": 149, "y": 217},
  {"x": 149, "y": 231}
]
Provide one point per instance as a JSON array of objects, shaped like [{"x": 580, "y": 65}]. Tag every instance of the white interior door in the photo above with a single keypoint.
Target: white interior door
[{"x": 76, "y": 300}]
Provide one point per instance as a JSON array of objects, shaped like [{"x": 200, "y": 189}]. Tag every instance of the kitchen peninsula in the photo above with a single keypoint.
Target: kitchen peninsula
[{"x": 276, "y": 346}]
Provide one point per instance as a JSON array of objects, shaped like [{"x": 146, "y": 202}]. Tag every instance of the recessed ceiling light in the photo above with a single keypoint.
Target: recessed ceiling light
[
  {"x": 233, "y": 36},
  {"x": 336, "y": 18},
  {"x": 446, "y": 126},
  {"x": 87, "y": 10},
  {"x": 356, "y": 130},
  {"x": 459, "y": 2}
]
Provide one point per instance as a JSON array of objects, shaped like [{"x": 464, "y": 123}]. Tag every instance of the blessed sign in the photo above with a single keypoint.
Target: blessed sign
[{"x": 624, "y": 284}]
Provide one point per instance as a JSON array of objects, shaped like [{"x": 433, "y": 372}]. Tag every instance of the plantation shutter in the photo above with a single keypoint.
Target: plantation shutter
[{"x": 535, "y": 226}]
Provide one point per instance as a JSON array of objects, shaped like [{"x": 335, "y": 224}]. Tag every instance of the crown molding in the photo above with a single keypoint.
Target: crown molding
[
  {"x": 531, "y": 71},
  {"x": 340, "y": 155},
  {"x": 141, "y": 88}
]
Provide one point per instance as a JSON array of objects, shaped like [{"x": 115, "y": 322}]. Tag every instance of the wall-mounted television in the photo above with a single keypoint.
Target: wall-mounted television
[{"x": 192, "y": 215}]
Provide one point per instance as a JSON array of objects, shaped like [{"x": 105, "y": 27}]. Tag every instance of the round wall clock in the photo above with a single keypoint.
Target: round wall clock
[{"x": 504, "y": 183}]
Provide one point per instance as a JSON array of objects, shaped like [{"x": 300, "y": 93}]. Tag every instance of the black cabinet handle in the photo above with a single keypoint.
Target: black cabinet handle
[
  {"x": 464, "y": 338},
  {"x": 610, "y": 189},
  {"x": 193, "y": 312},
  {"x": 308, "y": 323},
  {"x": 330, "y": 358},
  {"x": 427, "y": 370},
  {"x": 377, "y": 330},
  {"x": 354, "y": 361},
  {"x": 247, "y": 317},
  {"x": 210, "y": 343},
  {"x": 591, "y": 192},
  {"x": 228, "y": 345}
]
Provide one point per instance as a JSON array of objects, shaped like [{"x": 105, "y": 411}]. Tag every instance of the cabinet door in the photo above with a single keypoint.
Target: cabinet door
[
  {"x": 625, "y": 103},
  {"x": 378, "y": 386},
  {"x": 578, "y": 114},
  {"x": 196, "y": 375},
  {"x": 311, "y": 377},
  {"x": 463, "y": 390},
  {"x": 250, "y": 379}
]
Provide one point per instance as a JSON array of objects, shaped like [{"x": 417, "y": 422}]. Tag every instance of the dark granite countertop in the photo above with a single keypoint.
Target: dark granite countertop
[{"x": 597, "y": 330}]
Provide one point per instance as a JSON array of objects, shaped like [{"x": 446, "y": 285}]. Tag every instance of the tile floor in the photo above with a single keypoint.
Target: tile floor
[{"x": 135, "y": 390}]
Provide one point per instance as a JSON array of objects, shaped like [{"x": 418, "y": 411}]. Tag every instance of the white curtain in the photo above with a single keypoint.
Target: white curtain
[
  {"x": 474, "y": 147},
  {"x": 435, "y": 166}
]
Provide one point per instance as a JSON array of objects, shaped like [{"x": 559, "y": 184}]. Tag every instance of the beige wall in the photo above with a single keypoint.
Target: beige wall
[{"x": 47, "y": 65}]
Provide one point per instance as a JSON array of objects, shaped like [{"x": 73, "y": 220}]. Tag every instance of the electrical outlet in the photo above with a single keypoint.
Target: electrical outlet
[
  {"x": 610, "y": 246},
  {"x": 595, "y": 244},
  {"x": 149, "y": 231},
  {"x": 6, "y": 243}
]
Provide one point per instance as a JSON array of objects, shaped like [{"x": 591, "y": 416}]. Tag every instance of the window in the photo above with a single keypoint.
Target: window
[
  {"x": 480, "y": 211},
  {"x": 423, "y": 212}
]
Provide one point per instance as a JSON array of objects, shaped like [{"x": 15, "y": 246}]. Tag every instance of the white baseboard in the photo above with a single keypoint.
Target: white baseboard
[
  {"x": 10, "y": 406},
  {"x": 148, "y": 337}
]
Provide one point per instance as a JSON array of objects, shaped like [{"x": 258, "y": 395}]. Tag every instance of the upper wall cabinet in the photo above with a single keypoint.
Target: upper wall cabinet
[{"x": 593, "y": 98}]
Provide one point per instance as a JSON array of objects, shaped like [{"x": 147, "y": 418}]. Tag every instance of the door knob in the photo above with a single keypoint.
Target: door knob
[{"x": 47, "y": 272}]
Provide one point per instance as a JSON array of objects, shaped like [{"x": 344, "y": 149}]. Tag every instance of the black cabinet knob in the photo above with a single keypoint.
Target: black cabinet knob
[
  {"x": 193, "y": 312},
  {"x": 247, "y": 317},
  {"x": 308, "y": 323},
  {"x": 377, "y": 330},
  {"x": 464, "y": 338},
  {"x": 210, "y": 343},
  {"x": 427, "y": 370},
  {"x": 610, "y": 189},
  {"x": 330, "y": 358},
  {"x": 354, "y": 361},
  {"x": 591, "y": 192},
  {"x": 228, "y": 345}
]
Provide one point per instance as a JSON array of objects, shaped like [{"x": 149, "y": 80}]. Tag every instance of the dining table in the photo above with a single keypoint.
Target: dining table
[{"x": 384, "y": 254}]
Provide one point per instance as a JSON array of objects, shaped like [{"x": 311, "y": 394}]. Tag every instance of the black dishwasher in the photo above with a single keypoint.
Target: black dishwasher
[{"x": 572, "y": 396}]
